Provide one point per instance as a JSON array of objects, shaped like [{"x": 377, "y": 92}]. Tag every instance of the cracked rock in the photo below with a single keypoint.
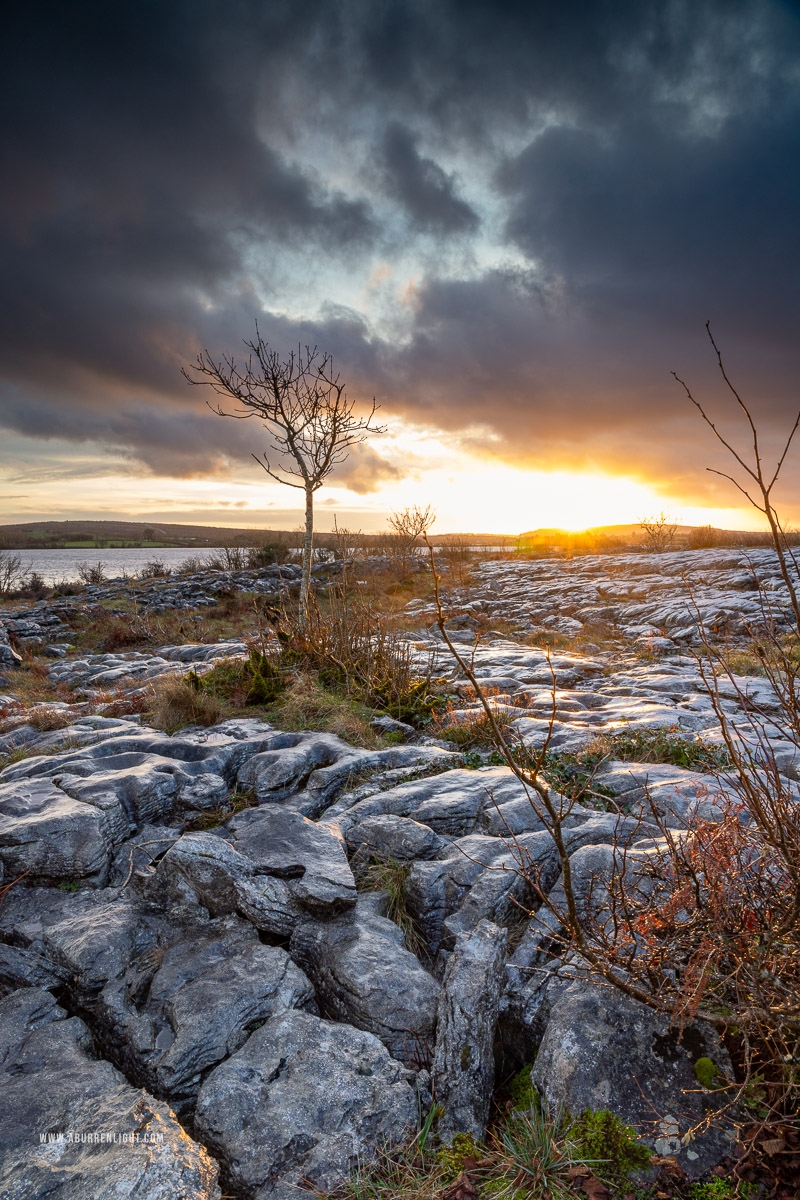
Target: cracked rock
[{"x": 303, "y": 1100}]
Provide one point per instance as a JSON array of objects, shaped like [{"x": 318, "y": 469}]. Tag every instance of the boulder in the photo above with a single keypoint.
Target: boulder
[
  {"x": 389, "y": 837},
  {"x": 304, "y": 1100},
  {"x": 603, "y": 1050},
  {"x": 50, "y": 837},
  {"x": 270, "y": 864},
  {"x": 171, "y": 996},
  {"x": 363, "y": 974}
]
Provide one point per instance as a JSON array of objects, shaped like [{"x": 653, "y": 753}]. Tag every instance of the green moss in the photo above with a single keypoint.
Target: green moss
[
  {"x": 724, "y": 1189},
  {"x": 267, "y": 681},
  {"x": 451, "y": 1158},
  {"x": 603, "y": 1136},
  {"x": 257, "y": 681},
  {"x": 706, "y": 1072},
  {"x": 521, "y": 1090},
  {"x": 715, "y": 1189}
]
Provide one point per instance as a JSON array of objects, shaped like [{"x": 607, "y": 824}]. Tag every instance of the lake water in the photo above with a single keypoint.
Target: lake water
[{"x": 57, "y": 565}]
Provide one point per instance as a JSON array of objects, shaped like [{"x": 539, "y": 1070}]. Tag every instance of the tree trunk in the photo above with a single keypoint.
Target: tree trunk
[{"x": 305, "y": 582}]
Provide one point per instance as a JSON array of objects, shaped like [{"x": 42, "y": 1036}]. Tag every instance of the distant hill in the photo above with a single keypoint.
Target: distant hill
[
  {"x": 39, "y": 535},
  {"x": 610, "y": 538}
]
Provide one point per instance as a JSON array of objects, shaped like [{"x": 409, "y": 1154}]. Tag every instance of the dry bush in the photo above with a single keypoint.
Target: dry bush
[
  {"x": 11, "y": 572},
  {"x": 91, "y": 573},
  {"x": 706, "y": 923},
  {"x": 31, "y": 684},
  {"x": 659, "y": 533},
  {"x": 347, "y": 646},
  {"x": 46, "y": 717},
  {"x": 176, "y": 703},
  {"x": 475, "y": 729}
]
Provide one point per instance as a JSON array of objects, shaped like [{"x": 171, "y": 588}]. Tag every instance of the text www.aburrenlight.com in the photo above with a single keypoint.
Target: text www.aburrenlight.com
[{"x": 102, "y": 1136}]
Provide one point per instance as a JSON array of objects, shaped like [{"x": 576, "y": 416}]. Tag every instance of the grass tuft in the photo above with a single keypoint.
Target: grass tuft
[{"x": 177, "y": 703}]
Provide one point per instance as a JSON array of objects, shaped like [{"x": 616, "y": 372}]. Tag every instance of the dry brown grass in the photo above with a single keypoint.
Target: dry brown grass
[
  {"x": 176, "y": 703},
  {"x": 306, "y": 704},
  {"x": 31, "y": 685},
  {"x": 127, "y": 627}
]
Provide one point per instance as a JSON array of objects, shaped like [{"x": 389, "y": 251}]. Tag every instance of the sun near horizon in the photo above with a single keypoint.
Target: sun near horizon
[{"x": 468, "y": 494}]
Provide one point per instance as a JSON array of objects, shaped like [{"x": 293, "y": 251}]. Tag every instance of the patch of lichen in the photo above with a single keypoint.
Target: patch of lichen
[
  {"x": 602, "y": 1138},
  {"x": 451, "y": 1158}
]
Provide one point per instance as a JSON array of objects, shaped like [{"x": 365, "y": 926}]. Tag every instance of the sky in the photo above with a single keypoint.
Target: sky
[{"x": 507, "y": 222}]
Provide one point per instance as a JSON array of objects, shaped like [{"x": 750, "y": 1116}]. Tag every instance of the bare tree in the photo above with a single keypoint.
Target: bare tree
[
  {"x": 409, "y": 525},
  {"x": 659, "y": 532},
  {"x": 302, "y": 403}
]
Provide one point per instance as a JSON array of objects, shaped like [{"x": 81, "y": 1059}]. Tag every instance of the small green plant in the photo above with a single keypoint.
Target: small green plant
[
  {"x": 573, "y": 774},
  {"x": 531, "y": 1151},
  {"x": 521, "y": 1091},
  {"x": 71, "y": 886},
  {"x": 724, "y": 1189},
  {"x": 666, "y": 744}
]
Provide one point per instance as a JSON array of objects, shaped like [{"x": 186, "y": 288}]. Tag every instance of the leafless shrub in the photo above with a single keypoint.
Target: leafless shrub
[
  {"x": 659, "y": 532},
  {"x": 91, "y": 573},
  {"x": 303, "y": 405},
  {"x": 706, "y": 922},
  {"x": 11, "y": 572},
  {"x": 409, "y": 524},
  {"x": 154, "y": 569},
  {"x": 192, "y": 565}
]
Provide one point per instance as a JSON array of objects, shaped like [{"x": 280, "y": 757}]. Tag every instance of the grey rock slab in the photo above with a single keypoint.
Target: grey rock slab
[
  {"x": 51, "y": 1084},
  {"x": 24, "y": 968},
  {"x": 270, "y": 864},
  {"x": 169, "y": 997},
  {"x": 504, "y": 892},
  {"x": 206, "y": 790},
  {"x": 204, "y": 868},
  {"x": 303, "y": 1100},
  {"x": 288, "y": 846},
  {"x": 601, "y": 1049},
  {"x": 463, "y": 1064},
  {"x": 305, "y": 770},
  {"x": 363, "y": 974},
  {"x": 9, "y": 659},
  {"x": 450, "y": 803},
  {"x": 393, "y": 838},
  {"x": 436, "y": 889},
  {"x": 50, "y": 837}
]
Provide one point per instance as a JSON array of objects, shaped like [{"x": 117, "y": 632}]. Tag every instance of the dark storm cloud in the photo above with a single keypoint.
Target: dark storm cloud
[
  {"x": 171, "y": 168},
  {"x": 426, "y": 192}
]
